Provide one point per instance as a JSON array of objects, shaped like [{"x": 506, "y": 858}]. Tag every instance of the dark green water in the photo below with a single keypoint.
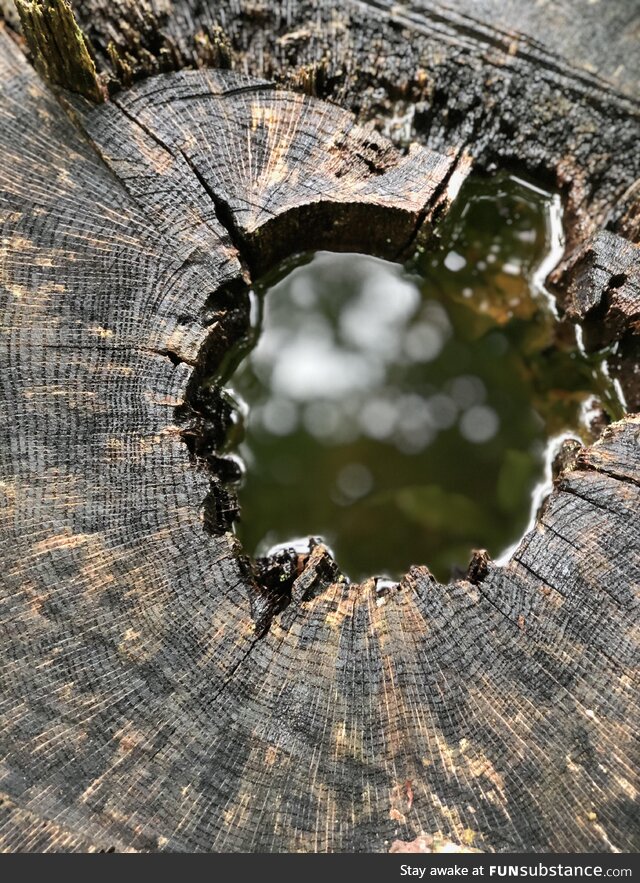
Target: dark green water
[{"x": 405, "y": 414}]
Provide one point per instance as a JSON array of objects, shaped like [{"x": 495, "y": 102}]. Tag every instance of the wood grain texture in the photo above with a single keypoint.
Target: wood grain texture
[
  {"x": 550, "y": 90},
  {"x": 285, "y": 171},
  {"x": 140, "y": 709}
]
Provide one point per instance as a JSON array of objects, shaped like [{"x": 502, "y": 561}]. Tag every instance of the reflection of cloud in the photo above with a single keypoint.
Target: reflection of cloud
[
  {"x": 308, "y": 368},
  {"x": 372, "y": 320},
  {"x": 322, "y": 419},
  {"x": 423, "y": 343},
  {"x": 415, "y": 427},
  {"x": 443, "y": 410},
  {"x": 311, "y": 348},
  {"x": 512, "y": 268},
  {"x": 411, "y": 422},
  {"x": 302, "y": 291},
  {"x": 279, "y": 416},
  {"x": 467, "y": 390},
  {"x": 377, "y": 418}
]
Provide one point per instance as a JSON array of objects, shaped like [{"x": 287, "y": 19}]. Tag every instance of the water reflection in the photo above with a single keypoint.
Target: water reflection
[{"x": 403, "y": 413}]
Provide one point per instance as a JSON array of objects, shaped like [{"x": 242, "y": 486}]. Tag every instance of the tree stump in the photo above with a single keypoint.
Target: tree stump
[{"x": 156, "y": 694}]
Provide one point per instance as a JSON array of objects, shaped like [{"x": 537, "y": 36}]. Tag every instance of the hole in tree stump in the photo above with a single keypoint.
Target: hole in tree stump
[{"x": 406, "y": 414}]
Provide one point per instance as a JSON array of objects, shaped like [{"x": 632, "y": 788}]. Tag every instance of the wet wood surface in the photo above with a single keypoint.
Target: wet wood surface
[{"x": 154, "y": 695}]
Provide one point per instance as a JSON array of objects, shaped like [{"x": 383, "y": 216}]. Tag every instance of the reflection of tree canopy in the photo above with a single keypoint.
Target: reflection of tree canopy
[
  {"x": 404, "y": 412},
  {"x": 342, "y": 336}
]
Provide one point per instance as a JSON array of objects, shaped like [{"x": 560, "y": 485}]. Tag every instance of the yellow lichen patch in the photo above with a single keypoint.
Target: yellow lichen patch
[
  {"x": 19, "y": 291},
  {"x": 459, "y": 830},
  {"x": 421, "y": 78},
  {"x": 468, "y": 836},
  {"x": 18, "y": 243}
]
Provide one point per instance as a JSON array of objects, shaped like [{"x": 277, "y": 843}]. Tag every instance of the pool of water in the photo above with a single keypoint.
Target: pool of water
[{"x": 405, "y": 414}]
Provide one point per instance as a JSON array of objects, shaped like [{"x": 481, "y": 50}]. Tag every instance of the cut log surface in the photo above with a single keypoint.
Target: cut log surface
[
  {"x": 285, "y": 171},
  {"x": 140, "y": 707}
]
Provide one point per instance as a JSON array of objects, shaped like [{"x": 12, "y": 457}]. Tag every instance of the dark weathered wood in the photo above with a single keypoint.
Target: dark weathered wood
[
  {"x": 143, "y": 706},
  {"x": 604, "y": 279},
  {"x": 599, "y": 286},
  {"x": 475, "y": 77}
]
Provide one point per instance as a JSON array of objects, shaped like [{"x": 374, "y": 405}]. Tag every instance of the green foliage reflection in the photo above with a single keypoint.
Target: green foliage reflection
[{"x": 403, "y": 413}]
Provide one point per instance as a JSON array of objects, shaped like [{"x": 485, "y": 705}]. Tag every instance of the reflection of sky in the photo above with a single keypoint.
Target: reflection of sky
[{"x": 340, "y": 340}]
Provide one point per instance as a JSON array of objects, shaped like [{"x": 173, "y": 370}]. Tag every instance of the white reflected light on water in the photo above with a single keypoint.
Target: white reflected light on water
[{"x": 341, "y": 375}]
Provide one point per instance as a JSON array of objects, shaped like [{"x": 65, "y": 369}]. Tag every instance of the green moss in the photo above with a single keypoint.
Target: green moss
[{"x": 58, "y": 47}]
